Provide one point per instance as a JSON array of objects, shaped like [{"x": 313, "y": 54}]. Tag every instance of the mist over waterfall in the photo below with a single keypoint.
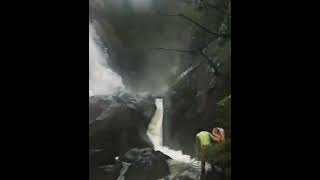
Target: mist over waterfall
[{"x": 102, "y": 80}]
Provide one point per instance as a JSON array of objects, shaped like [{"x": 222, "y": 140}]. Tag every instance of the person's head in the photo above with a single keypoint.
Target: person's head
[{"x": 218, "y": 134}]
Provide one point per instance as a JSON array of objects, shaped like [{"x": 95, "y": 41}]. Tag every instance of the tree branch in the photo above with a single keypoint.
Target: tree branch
[
  {"x": 197, "y": 24},
  {"x": 176, "y": 50},
  {"x": 202, "y": 49},
  {"x": 221, "y": 11},
  {"x": 214, "y": 65},
  {"x": 193, "y": 22}
]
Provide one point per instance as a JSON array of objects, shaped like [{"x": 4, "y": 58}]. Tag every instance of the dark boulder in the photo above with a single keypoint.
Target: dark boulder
[
  {"x": 116, "y": 124},
  {"x": 108, "y": 172},
  {"x": 145, "y": 164},
  {"x": 216, "y": 174}
]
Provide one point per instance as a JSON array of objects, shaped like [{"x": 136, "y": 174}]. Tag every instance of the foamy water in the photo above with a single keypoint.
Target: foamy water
[
  {"x": 155, "y": 134},
  {"x": 180, "y": 163}
]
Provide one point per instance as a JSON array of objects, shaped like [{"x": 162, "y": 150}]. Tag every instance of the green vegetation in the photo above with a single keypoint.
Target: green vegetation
[{"x": 223, "y": 151}]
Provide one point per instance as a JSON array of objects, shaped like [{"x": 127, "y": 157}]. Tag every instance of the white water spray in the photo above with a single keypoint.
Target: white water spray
[
  {"x": 155, "y": 134},
  {"x": 181, "y": 163},
  {"x": 102, "y": 80}
]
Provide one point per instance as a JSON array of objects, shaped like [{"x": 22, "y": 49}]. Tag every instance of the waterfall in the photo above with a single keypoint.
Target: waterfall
[
  {"x": 180, "y": 163},
  {"x": 155, "y": 134},
  {"x": 102, "y": 80}
]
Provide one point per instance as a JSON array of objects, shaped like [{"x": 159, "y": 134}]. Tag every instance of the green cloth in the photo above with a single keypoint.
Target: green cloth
[{"x": 205, "y": 144}]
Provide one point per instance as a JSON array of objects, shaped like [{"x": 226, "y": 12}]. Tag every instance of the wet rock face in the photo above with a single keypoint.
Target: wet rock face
[
  {"x": 191, "y": 105},
  {"x": 192, "y": 175},
  {"x": 136, "y": 164},
  {"x": 116, "y": 124},
  {"x": 189, "y": 109},
  {"x": 108, "y": 172},
  {"x": 145, "y": 164}
]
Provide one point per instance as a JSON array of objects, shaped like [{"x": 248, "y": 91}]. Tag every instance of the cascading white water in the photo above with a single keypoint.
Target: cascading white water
[
  {"x": 155, "y": 134},
  {"x": 102, "y": 80},
  {"x": 181, "y": 163}
]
